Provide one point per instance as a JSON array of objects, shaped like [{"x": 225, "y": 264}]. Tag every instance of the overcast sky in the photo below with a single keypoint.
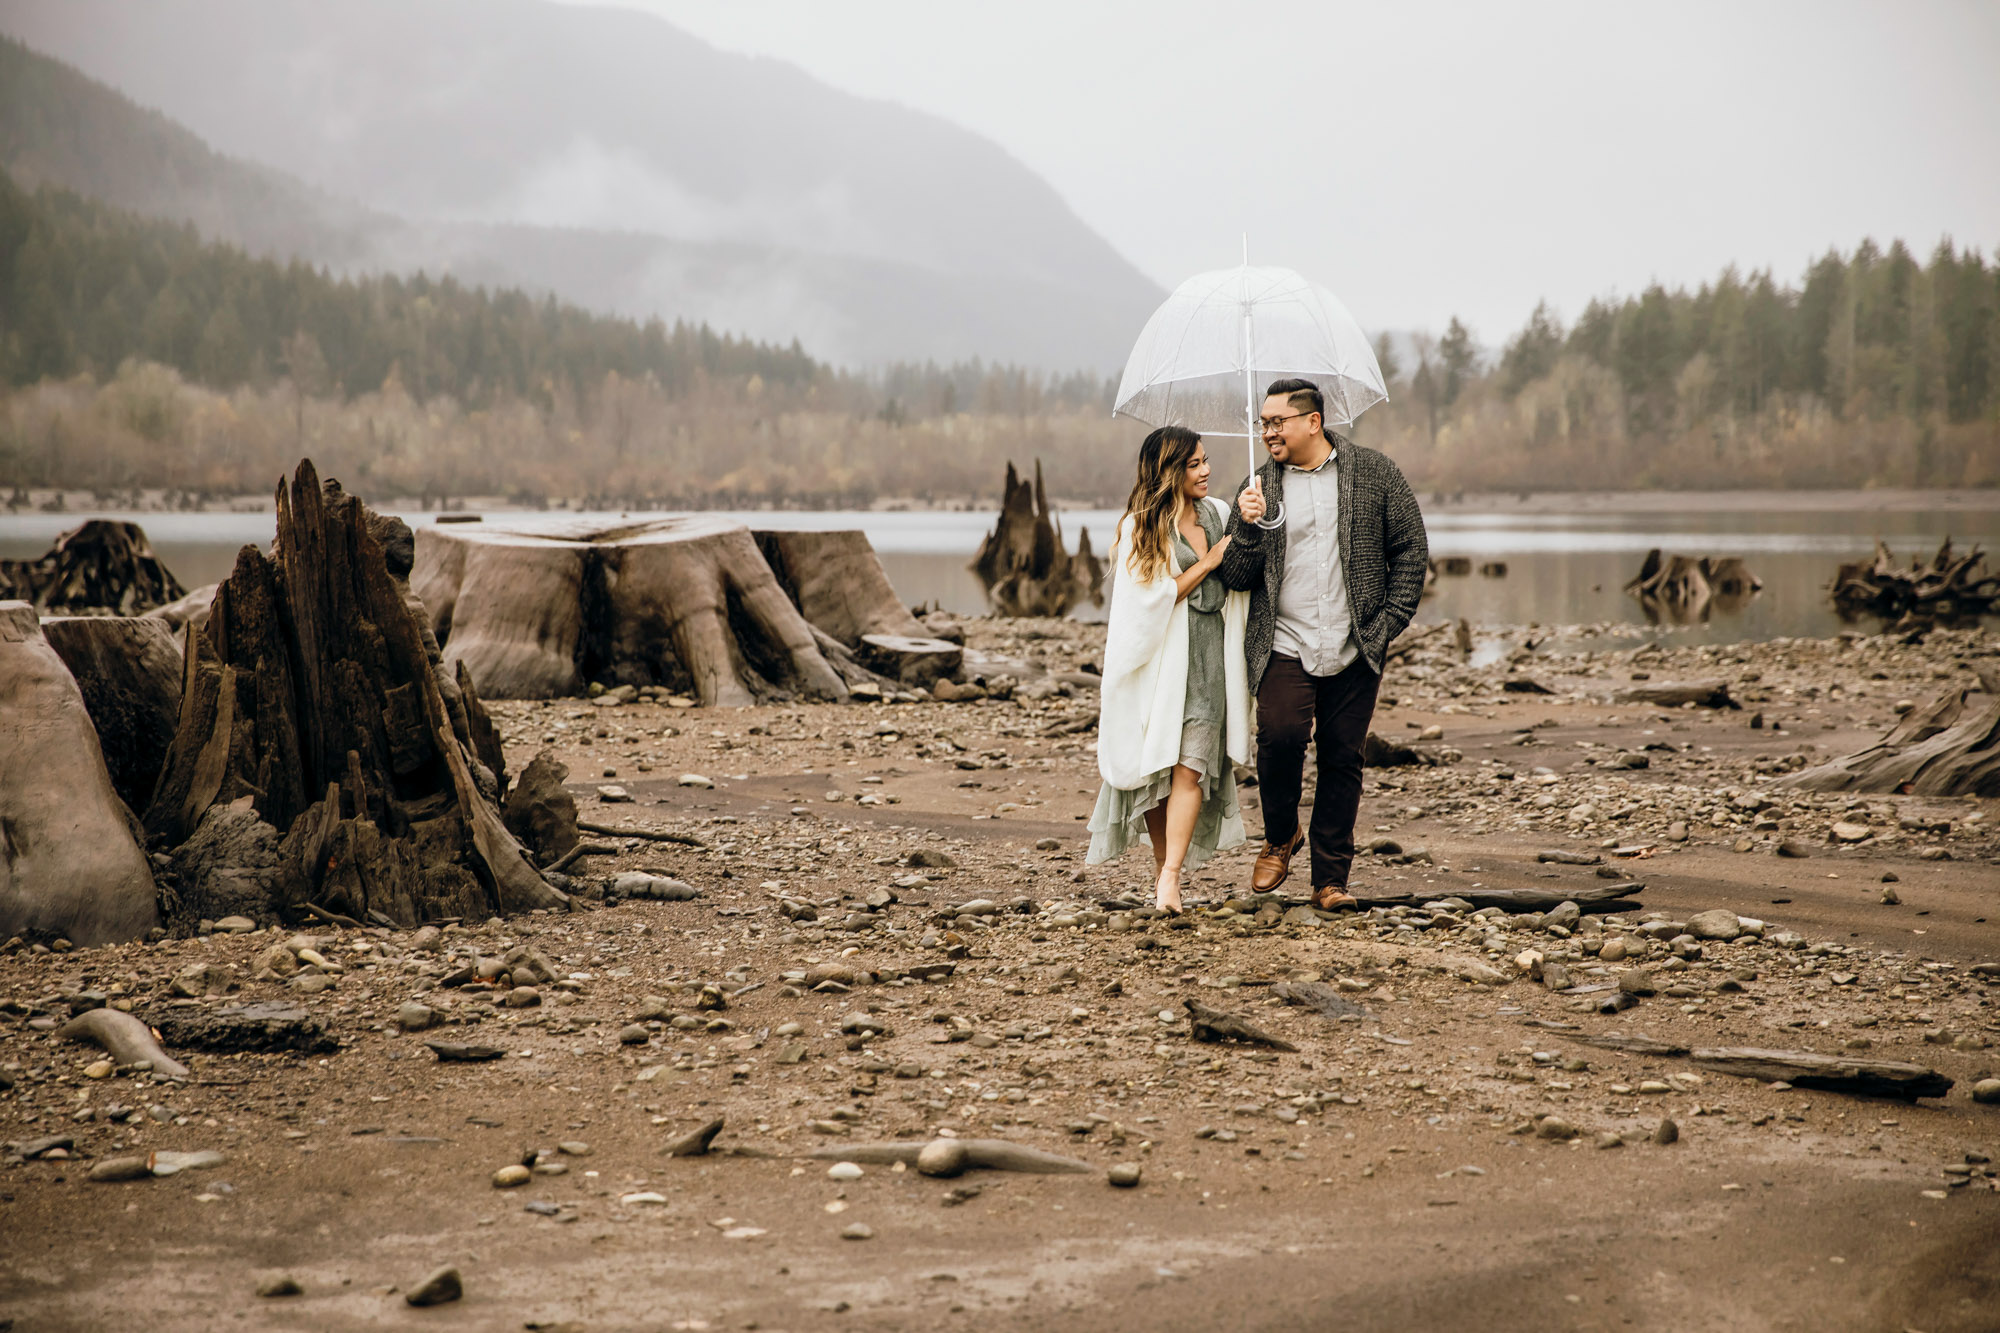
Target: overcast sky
[{"x": 1426, "y": 160}]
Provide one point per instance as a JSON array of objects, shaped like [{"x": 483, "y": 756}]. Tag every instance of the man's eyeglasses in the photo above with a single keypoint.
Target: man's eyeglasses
[{"x": 1272, "y": 425}]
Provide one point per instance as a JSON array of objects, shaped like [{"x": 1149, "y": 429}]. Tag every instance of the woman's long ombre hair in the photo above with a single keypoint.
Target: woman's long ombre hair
[{"x": 1156, "y": 500}]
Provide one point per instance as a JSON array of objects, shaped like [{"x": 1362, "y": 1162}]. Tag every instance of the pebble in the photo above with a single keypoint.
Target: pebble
[
  {"x": 613, "y": 795},
  {"x": 857, "y": 1231},
  {"x": 283, "y": 1285},
  {"x": 1666, "y": 1132},
  {"x": 440, "y": 1288},
  {"x": 1554, "y": 1127},
  {"x": 122, "y": 1168},
  {"x": 522, "y": 997},
  {"x": 943, "y": 1157},
  {"x": 1987, "y": 1092},
  {"x": 507, "y": 1177},
  {"x": 1719, "y": 924},
  {"x": 99, "y": 1069},
  {"x": 1124, "y": 1175},
  {"x": 573, "y": 1148},
  {"x": 695, "y": 780},
  {"x": 634, "y": 1034},
  {"x": 844, "y": 1171},
  {"x": 415, "y": 1017}
]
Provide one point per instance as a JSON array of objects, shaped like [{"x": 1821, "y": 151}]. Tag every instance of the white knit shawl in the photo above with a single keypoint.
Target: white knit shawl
[{"x": 1144, "y": 694}]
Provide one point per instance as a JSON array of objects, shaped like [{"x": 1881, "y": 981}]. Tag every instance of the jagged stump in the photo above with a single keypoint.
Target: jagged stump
[
  {"x": 1023, "y": 564},
  {"x": 103, "y": 567},
  {"x": 315, "y": 690}
]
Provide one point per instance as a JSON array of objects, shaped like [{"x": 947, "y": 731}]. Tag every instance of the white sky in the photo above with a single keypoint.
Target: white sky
[{"x": 1431, "y": 159}]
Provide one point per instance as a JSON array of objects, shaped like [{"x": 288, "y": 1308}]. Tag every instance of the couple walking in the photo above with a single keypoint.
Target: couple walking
[{"x": 1210, "y": 608}]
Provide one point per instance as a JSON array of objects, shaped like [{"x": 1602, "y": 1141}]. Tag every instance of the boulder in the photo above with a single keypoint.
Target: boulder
[{"x": 70, "y": 860}]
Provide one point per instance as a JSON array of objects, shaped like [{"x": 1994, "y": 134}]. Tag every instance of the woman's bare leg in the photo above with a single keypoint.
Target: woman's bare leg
[
  {"x": 1156, "y": 829},
  {"x": 1182, "y": 807}
]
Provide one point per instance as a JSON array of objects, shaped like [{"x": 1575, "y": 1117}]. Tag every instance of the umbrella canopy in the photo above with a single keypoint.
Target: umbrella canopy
[{"x": 1203, "y": 357}]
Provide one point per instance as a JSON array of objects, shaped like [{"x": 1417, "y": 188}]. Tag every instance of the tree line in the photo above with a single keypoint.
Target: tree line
[{"x": 135, "y": 354}]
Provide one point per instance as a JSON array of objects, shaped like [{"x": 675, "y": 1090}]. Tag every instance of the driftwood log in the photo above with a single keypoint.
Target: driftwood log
[
  {"x": 1590, "y": 897},
  {"x": 1206, "y": 1024},
  {"x": 1673, "y": 694},
  {"x": 1949, "y": 747},
  {"x": 686, "y": 603},
  {"x": 1827, "y": 1073},
  {"x": 315, "y": 690},
  {"x": 104, "y": 567},
  {"x": 70, "y": 861},
  {"x": 1950, "y": 587},
  {"x": 1022, "y": 562},
  {"x": 128, "y": 669},
  {"x": 1683, "y": 589},
  {"x": 1801, "y": 1069}
]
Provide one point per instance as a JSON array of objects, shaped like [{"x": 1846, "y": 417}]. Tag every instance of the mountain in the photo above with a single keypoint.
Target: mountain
[{"x": 597, "y": 153}]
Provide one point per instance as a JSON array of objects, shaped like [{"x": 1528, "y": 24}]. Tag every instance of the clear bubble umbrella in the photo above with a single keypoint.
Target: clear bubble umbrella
[{"x": 1201, "y": 358}]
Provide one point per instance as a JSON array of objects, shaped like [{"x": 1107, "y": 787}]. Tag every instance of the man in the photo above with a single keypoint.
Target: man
[{"x": 1330, "y": 587}]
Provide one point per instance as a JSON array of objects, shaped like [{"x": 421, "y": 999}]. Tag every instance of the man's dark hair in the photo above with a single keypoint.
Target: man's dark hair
[{"x": 1303, "y": 395}]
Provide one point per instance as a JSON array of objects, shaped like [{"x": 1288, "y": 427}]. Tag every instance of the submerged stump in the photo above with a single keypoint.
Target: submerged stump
[{"x": 1022, "y": 561}]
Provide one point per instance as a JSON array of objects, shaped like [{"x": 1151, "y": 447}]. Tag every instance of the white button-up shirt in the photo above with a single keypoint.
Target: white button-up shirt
[{"x": 1314, "y": 623}]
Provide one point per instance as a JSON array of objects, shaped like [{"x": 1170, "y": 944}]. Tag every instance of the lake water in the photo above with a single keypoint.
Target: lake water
[{"x": 1565, "y": 565}]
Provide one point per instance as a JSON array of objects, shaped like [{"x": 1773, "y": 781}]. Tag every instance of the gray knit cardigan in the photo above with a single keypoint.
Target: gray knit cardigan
[{"x": 1384, "y": 554}]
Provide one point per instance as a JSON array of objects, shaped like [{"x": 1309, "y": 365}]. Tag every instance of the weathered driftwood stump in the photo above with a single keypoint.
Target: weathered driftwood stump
[
  {"x": 104, "y": 567},
  {"x": 1950, "y": 587},
  {"x": 1949, "y": 747},
  {"x": 687, "y": 603},
  {"x": 129, "y": 671},
  {"x": 1022, "y": 561},
  {"x": 315, "y": 690},
  {"x": 70, "y": 860}
]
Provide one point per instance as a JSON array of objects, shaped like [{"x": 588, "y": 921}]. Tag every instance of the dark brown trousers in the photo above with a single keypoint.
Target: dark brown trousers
[{"x": 1291, "y": 706}]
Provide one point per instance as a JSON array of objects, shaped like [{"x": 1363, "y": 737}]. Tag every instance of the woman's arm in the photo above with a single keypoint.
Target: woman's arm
[{"x": 1190, "y": 578}]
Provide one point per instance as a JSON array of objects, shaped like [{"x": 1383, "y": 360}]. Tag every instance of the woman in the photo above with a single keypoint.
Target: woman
[{"x": 1175, "y": 701}]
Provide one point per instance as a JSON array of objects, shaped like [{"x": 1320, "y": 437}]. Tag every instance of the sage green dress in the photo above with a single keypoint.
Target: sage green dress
[{"x": 1120, "y": 817}]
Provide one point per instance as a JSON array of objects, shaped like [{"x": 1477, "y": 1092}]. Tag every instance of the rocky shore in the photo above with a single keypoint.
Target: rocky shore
[{"x": 838, "y": 926}]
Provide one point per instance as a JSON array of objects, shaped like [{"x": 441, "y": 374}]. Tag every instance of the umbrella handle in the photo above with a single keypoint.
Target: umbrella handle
[{"x": 1273, "y": 519}]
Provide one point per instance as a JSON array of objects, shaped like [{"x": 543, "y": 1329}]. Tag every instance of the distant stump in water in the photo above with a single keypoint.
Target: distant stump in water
[
  {"x": 1683, "y": 590},
  {"x": 1023, "y": 564}
]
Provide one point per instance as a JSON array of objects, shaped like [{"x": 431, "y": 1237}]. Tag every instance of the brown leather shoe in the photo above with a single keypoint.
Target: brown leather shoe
[
  {"x": 1333, "y": 898},
  {"x": 1275, "y": 864}
]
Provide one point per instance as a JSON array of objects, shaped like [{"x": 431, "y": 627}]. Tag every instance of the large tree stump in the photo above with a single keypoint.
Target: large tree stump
[
  {"x": 687, "y": 603},
  {"x": 104, "y": 567},
  {"x": 129, "y": 671},
  {"x": 838, "y": 583},
  {"x": 70, "y": 860},
  {"x": 315, "y": 690},
  {"x": 1022, "y": 561},
  {"x": 1949, "y": 747}
]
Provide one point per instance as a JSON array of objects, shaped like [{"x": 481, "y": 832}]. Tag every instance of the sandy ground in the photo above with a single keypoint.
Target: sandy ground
[{"x": 1393, "y": 1172}]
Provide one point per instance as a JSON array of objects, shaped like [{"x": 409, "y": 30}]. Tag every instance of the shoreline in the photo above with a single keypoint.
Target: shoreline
[{"x": 82, "y": 503}]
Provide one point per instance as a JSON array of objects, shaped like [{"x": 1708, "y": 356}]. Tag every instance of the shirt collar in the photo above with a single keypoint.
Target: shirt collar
[{"x": 1332, "y": 454}]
